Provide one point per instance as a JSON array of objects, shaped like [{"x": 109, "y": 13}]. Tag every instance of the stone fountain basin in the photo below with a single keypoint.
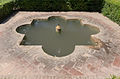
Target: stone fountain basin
[{"x": 101, "y": 60}]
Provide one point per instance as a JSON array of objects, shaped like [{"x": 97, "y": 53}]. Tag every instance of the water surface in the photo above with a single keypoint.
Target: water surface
[{"x": 43, "y": 32}]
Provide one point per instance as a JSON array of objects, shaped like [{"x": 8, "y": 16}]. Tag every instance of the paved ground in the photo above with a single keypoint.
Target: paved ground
[{"x": 86, "y": 62}]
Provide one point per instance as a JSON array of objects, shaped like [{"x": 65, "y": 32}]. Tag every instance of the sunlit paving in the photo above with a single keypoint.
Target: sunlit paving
[{"x": 59, "y": 39}]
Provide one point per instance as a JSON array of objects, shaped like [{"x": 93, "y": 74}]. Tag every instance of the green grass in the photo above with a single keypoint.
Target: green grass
[
  {"x": 2, "y": 2},
  {"x": 116, "y": 2},
  {"x": 113, "y": 77},
  {"x": 111, "y": 9}
]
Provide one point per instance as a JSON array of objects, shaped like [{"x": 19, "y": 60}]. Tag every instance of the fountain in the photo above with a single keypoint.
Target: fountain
[
  {"x": 58, "y": 28},
  {"x": 43, "y": 32}
]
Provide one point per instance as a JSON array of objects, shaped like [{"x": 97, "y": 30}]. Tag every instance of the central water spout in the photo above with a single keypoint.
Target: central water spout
[{"x": 58, "y": 28}]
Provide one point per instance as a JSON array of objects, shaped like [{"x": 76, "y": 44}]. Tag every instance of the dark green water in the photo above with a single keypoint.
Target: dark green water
[{"x": 43, "y": 32}]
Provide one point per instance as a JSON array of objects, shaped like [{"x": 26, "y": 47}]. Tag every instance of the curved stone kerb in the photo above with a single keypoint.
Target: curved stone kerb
[{"x": 56, "y": 20}]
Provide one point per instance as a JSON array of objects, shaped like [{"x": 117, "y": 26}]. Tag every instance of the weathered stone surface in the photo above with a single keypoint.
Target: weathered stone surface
[
  {"x": 117, "y": 61},
  {"x": 69, "y": 65},
  {"x": 86, "y": 62},
  {"x": 75, "y": 72}
]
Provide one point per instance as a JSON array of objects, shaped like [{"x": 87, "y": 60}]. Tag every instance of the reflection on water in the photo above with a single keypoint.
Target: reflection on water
[{"x": 43, "y": 32}]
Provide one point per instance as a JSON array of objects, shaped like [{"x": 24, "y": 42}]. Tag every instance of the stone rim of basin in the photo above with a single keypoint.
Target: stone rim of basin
[{"x": 97, "y": 41}]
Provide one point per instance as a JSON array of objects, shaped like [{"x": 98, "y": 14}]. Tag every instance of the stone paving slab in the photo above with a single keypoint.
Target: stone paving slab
[{"x": 86, "y": 62}]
